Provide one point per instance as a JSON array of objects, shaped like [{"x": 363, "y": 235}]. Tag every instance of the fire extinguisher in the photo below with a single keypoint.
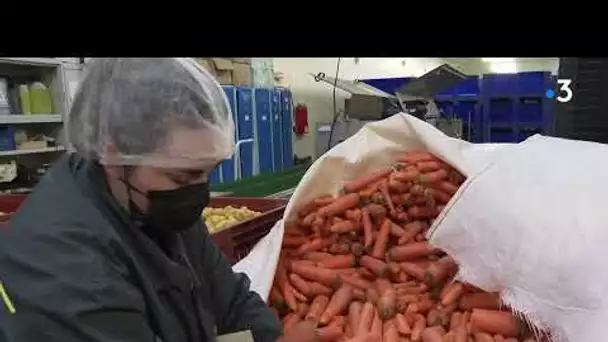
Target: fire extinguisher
[{"x": 301, "y": 120}]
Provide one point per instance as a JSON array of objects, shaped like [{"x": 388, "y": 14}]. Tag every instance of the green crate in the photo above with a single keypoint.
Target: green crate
[{"x": 264, "y": 185}]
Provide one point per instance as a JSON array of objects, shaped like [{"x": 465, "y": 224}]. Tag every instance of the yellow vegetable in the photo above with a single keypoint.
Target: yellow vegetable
[{"x": 218, "y": 219}]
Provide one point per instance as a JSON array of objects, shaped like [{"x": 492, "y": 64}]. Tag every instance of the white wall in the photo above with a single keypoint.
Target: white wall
[
  {"x": 318, "y": 95},
  {"x": 475, "y": 66}
]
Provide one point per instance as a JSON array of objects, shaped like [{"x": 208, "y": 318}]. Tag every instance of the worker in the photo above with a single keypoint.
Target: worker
[{"x": 110, "y": 245}]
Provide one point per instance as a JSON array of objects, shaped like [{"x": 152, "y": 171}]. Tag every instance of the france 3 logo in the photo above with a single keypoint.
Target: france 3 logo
[{"x": 565, "y": 93}]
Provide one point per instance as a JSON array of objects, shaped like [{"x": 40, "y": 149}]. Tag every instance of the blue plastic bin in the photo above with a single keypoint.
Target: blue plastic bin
[
  {"x": 531, "y": 110},
  {"x": 501, "y": 111},
  {"x": 7, "y": 138},
  {"x": 500, "y": 85},
  {"x": 502, "y": 135},
  {"x": 533, "y": 83}
]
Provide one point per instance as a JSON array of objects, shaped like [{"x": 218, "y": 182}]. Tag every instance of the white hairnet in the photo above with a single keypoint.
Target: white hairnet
[{"x": 127, "y": 112}]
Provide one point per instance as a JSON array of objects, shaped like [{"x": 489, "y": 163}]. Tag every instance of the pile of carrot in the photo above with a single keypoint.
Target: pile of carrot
[{"x": 359, "y": 265}]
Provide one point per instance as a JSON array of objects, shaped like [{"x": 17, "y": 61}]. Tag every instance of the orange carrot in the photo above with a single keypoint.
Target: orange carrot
[
  {"x": 353, "y": 215},
  {"x": 455, "y": 320},
  {"x": 316, "y": 309},
  {"x": 339, "y": 248},
  {"x": 338, "y": 261},
  {"x": 387, "y": 197},
  {"x": 461, "y": 334},
  {"x": 416, "y": 156},
  {"x": 483, "y": 337},
  {"x": 421, "y": 212},
  {"x": 359, "y": 294},
  {"x": 367, "y": 274},
  {"x": 440, "y": 270},
  {"x": 396, "y": 230},
  {"x": 382, "y": 285},
  {"x": 321, "y": 275},
  {"x": 300, "y": 284},
  {"x": 290, "y": 297},
  {"x": 496, "y": 322},
  {"x": 376, "y": 211},
  {"x": 344, "y": 227},
  {"x": 454, "y": 292},
  {"x": 397, "y": 186},
  {"x": 402, "y": 325},
  {"x": 480, "y": 300},
  {"x": 372, "y": 295},
  {"x": 277, "y": 300},
  {"x": 316, "y": 256},
  {"x": 411, "y": 229},
  {"x": 290, "y": 321},
  {"x": 413, "y": 270},
  {"x": 418, "y": 328},
  {"x": 390, "y": 332},
  {"x": 447, "y": 187},
  {"x": 411, "y": 251},
  {"x": 309, "y": 219},
  {"x": 432, "y": 334},
  {"x": 314, "y": 245},
  {"x": 366, "y": 337},
  {"x": 330, "y": 333},
  {"x": 407, "y": 175},
  {"x": 367, "y": 228},
  {"x": 368, "y": 311},
  {"x": 355, "y": 281},
  {"x": 354, "y": 314},
  {"x": 376, "y": 324},
  {"x": 357, "y": 249},
  {"x": 386, "y": 304},
  {"x": 293, "y": 241},
  {"x": 433, "y": 317},
  {"x": 338, "y": 303},
  {"x": 433, "y": 176},
  {"x": 426, "y": 166},
  {"x": 379, "y": 268},
  {"x": 499, "y": 338},
  {"x": 319, "y": 289},
  {"x": 382, "y": 239},
  {"x": 362, "y": 182},
  {"x": 440, "y": 196},
  {"x": 302, "y": 309},
  {"x": 323, "y": 200},
  {"x": 339, "y": 206}
]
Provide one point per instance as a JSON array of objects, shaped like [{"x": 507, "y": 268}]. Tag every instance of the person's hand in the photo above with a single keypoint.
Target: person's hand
[{"x": 302, "y": 332}]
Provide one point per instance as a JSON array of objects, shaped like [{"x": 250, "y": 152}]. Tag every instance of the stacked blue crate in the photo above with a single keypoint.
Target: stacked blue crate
[
  {"x": 463, "y": 101},
  {"x": 244, "y": 154},
  {"x": 263, "y": 130},
  {"x": 277, "y": 134},
  {"x": 516, "y": 105},
  {"x": 286, "y": 127}
]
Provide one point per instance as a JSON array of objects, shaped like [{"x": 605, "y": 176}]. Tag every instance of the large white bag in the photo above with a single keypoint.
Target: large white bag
[{"x": 376, "y": 145}]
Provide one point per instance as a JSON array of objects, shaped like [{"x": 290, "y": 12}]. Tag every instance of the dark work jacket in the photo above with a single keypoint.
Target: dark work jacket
[{"x": 76, "y": 268}]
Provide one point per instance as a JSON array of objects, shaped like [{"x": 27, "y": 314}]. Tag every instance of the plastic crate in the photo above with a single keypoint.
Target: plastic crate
[
  {"x": 500, "y": 84},
  {"x": 237, "y": 241},
  {"x": 532, "y": 83},
  {"x": 468, "y": 87},
  {"x": 7, "y": 138},
  {"x": 531, "y": 110},
  {"x": 501, "y": 111},
  {"x": 502, "y": 135}
]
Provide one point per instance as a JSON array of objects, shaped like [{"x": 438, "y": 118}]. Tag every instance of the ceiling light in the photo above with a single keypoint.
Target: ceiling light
[
  {"x": 503, "y": 67},
  {"x": 502, "y": 59}
]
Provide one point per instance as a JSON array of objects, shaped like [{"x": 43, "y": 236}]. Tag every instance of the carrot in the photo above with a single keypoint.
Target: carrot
[
  {"x": 367, "y": 274},
  {"x": 354, "y": 314},
  {"x": 480, "y": 300},
  {"x": 300, "y": 284},
  {"x": 407, "y": 175},
  {"x": 402, "y": 325},
  {"x": 432, "y": 334},
  {"x": 353, "y": 215},
  {"x": 438, "y": 271},
  {"x": 330, "y": 333},
  {"x": 290, "y": 241},
  {"x": 344, "y": 227},
  {"x": 433, "y": 317},
  {"x": 483, "y": 337},
  {"x": 499, "y": 338},
  {"x": 277, "y": 300},
  {"x": 390, "y": 332},
  {"x": 386, "y": 304},
  {"x": 357, "y": 249},
  {"x": 316, "y": 256},
  {"x": 290, "y": 321},
  {"x": 418, "y": 328},
  {"x": 368, "y": 312},
  {"x": 339, "y": 205},
  {"x": 323, "y": 200},
  {"x": 411, "y": 229},
  {"x": 386, "y": 195},
  {"x": 319, "y": 289},
  {"x": 421, "y": 212},
  {"x": 376, "y": 211},
  {"x": 496, "y": 322},
  {"x": 338, "y": 261},
  {"x": 461, "y": 334},
  {"x": 302, "y": 309},
  {"x": 356, "y": 282},
  {"x": 376, "y": 324},
  {"x": 382, "y": 240},
  {"x": 447, "y": 187},
  {"x": 290, "y": 297},
  {"x": 413, "y": 270},
  {"x": 359, "y": 294},
  {"x": 433, "y": 176},
  {"x": 313, "y": 245},
  {"x": 397, "y": 186},
  {"x": 416, "y": 156},
  {"x": 339, "y": 248},
  {"x": 317, "y": 307},
  {"x": 321, "y": 275},
  {"x": 396, "y": 230},
  {"x": 362, "y": 182},
  {"x": 367, "y": 228},
  {"x": 338, "y": 303},
  {"x": 426, "y": 166},
  {"x": 372, "y": 295},
  {"x": 455, "y": 320},
  {"x": 449, "y": 337},
  {"x": 367, "y": 337},
  {"x": 454, "y": 292},
  {"x": 309, "y": 219},
  {"x": 411, "y": 251},
  {"x": 379, "y": 268},
  {"x": 382, "y": 285}
]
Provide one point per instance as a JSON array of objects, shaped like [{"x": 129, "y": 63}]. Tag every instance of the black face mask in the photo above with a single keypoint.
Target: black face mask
[{"x": 171, "y": 211}]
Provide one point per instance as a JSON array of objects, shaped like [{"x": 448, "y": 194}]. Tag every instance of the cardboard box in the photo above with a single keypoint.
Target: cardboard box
[
  {"x": 241, "y": 74},
  {"x": 221, "y": 68}
]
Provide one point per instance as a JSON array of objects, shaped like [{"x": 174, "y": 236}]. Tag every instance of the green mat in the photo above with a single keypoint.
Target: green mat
[{"x": 265, "y": 184}]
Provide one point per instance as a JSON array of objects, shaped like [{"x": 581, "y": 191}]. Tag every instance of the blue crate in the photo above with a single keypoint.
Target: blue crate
[
  {"x": 286, "y": 127},
  {"x": 445, "y": 107},
  {"x": 502, "y": 135},
  {"x": 277, "y": 134},
  {"x": 501, "y": 110},
  {"x": 500, "y": 85},
  {"x": 468, "y": 87},
  {"x": 533, "y": 83},
  {"x": 530, "y": 110},
  {"x": 263, "y": 129},
  {"x": 245, "y": 118},
  {"x": 7, "y": 138}
]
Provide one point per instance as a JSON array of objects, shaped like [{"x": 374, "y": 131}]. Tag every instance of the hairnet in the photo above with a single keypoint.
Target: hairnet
[{"x": 126, "y": 111}]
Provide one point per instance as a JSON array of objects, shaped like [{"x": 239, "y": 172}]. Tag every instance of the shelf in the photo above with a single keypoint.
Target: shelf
[
  {"x": 32, "y": 151},
  {"x": 30, "y": 119},
  {"x": 43, "y": 62}
]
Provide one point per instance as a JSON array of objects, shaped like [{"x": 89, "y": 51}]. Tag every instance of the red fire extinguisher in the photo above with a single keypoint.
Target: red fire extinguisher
[{"x": 301, "y": 120}]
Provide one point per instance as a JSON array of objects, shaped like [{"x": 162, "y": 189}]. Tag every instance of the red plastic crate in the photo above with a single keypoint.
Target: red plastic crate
[{"x": 235, "y": 242}]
